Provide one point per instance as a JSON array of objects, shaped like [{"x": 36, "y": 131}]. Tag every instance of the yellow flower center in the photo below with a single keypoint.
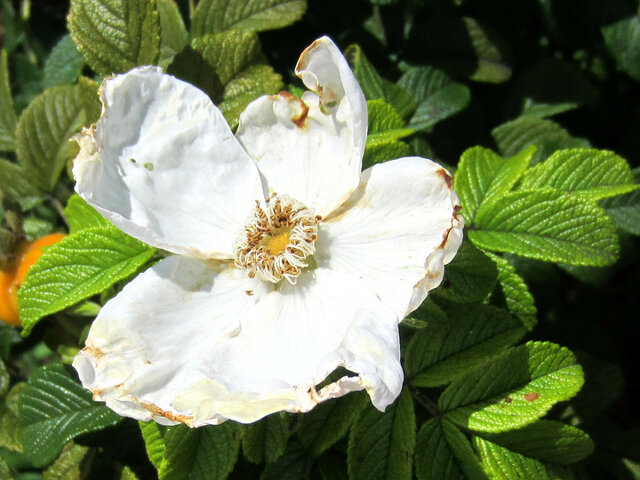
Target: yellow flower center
[{"x": 277, "y": 240}]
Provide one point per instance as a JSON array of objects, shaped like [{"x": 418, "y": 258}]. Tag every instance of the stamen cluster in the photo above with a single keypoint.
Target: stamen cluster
[{"x": 282, "y": 214}]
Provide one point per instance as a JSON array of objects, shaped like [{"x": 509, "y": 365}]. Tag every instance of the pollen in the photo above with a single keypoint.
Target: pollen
[{"x": 278, "y": 240}]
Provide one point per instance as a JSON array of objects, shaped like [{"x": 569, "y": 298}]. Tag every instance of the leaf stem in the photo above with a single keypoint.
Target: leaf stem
[{"x": 426, "y": 402}]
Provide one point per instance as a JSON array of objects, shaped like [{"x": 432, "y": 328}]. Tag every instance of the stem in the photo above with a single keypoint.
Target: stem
[{"x": 426, "y": 402}]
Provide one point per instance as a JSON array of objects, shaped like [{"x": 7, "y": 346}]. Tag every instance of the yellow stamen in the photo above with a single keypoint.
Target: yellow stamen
[{"x": 277, "y": 243}]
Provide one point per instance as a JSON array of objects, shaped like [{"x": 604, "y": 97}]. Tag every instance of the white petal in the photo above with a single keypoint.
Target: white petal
[
  {"x": 206, "y": 351},
  {"x": 396, "y": 231},
  {"x": 163, "y": 166},
  {"x": 311, "y": 148}
]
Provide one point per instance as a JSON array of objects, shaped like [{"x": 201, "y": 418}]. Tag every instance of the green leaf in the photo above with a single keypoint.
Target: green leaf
[
  {"x": 15, "y": 184},
  {"x": 80, "y": 215},
  {"x": 385, "y": 129},
  {"x": 446, "y": 349},
  {"x": 47, "y": 124},
  {"x": 423, "y": 82},
  {"x": 8, "y": 118},
  {"x": 245, "y": 87},
  {"x": 153, "y": 436},
  {"x": 78, "y": 267},
  {"x": 215, "y": 16},
  {"x": 10, "y": 426},
  {"x": 444, "y": 453},
  {"x": 115, "y": 35},
  {"x": 295, "y": 464},
  {"x": 384, "y": 118},
  {"x": 625, "y": 212},
  {"x": 5, "y": 471},
  {"x": 546, "y": 225},
  {"x": 470, "y": 277},
  {"x": 381, "y": 445},
  {"x": 378, "y": 150},
  {"x": 502, "y": 464},
  {"x": 68, "y": 465},
  {"x": 622, "y": 38},
  {"x": 207, "y": 453},
  {"x": 54, "y": 409},
  {"x": 590, "y": 173},
  {"x": 374, "y": 86},
  {"x": 4, "y": 380},
  {"x": 266, "y": 440},
  {"x": 513, "y": 389},
  {"x": 546, "y": 135},
  {"x": 482, "y": 175},
  {"x": 516, "y": 294},
  {"x": 63, "y": 65},
  {"x": 546, "y": 440},
  {"x": 443, "y": 104},
  {"x": 329, "y": 422},
  {"x": 174, "y": 36}
]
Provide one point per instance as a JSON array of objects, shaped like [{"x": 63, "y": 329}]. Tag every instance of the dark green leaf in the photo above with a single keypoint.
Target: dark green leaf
[
  {"x": 205, "y": 453},
  {"x": 54, "y": 409},
  {"x": 444, "y": 453},
  {"x": 443, "y": 350},
  {"x": 444, "y": 103},
  {"x": 63, "y": 65},
  {"x": 45, "y": 127},
  {"x": 68, "y": 465},
  {"x": 10, "y": 426},
  {"x": 423, "y": 82},
  {"x": 381, "y": 445},
  {"x": 293, "y": 465},
  {"x": 625, "y": 211},
  {"x": 77, "y": 267},
  {"x": 622, "y": 38},
  {"x": 174, "y": 36},
  {"x": 590, "y": 173},
  {"x": 215, "y": 16},
  {"x": 15, "y": 184},
  {"x": 8, "y": 118},
  {"x": 115, "y": 35},
  {"x": 514, "y": 389},
  {"x": 266, "y": 440},
  {"x": 547, "y": 225}
]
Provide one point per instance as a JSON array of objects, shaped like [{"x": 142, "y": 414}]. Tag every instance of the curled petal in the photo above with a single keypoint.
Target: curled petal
[
  {"x": 164, "y": 167},
  {"x": 396, "y": 231},
  {"x": 311, "y": 148},
  {"x": 186, "y": 343}
]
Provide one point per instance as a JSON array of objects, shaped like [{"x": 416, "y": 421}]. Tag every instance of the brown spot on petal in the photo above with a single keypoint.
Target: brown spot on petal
[
  {"x": 174, "y": 417},
  {"x": 301, "y": 118},
  {"x": 249, "y": 292},
  {"x": 445, "y": 237},
  {"x": 93, "y": 351},
  {"x": 456, "y": 209},
  {"x": 97, "y": 393},
  {"x": 445, "y": 176},
  {"x": 531, "y": 396}
]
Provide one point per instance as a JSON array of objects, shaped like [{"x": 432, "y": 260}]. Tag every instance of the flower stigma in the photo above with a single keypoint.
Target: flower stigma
[{"x": 277, "y": 240}]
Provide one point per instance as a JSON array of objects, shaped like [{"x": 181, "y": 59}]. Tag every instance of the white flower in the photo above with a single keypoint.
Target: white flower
[{"x": 289, "y": 261}]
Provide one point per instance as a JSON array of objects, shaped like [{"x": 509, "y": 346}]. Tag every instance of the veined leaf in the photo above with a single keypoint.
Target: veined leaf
[
  {"x": 10, "y": 426},
  {"x": 546, "y": 135},
  {"x": 424, "y": 81},
  {"x": 115, "y": 35},
  {"x": 513, "y": 389},
  {"x": 444, "y": 453},
  {"x": 546, "y": 225},
  {"x": 174, "y": 36},
  {"x": 470, "y": 277},
  {"x": 15, "y": 184},
  {"x": 519, "y": 300},
  {"x": 80, "y": 215},
  {"x": 443, "y": 104},
  {"x": 206, "y": 453},
  {"x": 374, "y": 86},
  {"x": 77, "y": 267},
  {"x": 8, "y": 118},
  {"x": 547, "y": 441},
  {"x": 383, "y": 117},
  {"x": 589, "y": 173},
  {"x": 68, "y": 465},
  {"x": 502, "y": 464},
  {"x": 483, "y": 175},
  {"x": 295, "y": 464},
  {"x": 386, "y": 127},
  {"x": 625, "y": 211},
  {"x": 54, "y": 409},
  {"x": 47, "y": 124},
  {"x": 381, "y": 445},
  {"x": 380, "y": 149},
  {"x": 215, "y": 16},
  {"x": 153, "y": 436},
  {"x": 443, "y": 350},
  {"x": 329, "y": 422},
  {"x": 63, "y": 65},
  {"x": 266, "y": 440}
]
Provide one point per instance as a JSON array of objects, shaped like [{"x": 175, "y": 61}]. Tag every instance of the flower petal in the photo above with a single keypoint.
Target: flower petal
[
  {"x": 164, "y": 167},
  {"x": 234, "y": 356},
  {"x": 311, "y": 148},
  {"x": 396, "y": 231}
]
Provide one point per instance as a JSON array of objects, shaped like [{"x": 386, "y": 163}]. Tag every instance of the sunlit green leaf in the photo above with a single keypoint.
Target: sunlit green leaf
[
  {"x": 54, "y": 409},
  {"x": 80, "y": 215},
  {"x": 153, "y": 436},
  {"x": 215, "y": 16},
  {"x": 115, "y": 35},
  {"x": 513, "y": 389}
]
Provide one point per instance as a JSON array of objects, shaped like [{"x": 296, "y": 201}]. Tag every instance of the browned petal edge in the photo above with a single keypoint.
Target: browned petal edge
[
  {"x": 174, "y": 417},
  {"x": 301, "y": 118},
  {"x": 302, "y": 61},
  {"x": 445, "y": 236},
  {"x": 446, "y": 177}
]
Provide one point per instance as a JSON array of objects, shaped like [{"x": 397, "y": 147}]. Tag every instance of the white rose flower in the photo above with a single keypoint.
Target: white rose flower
[{"x": 289, "y": 261}]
